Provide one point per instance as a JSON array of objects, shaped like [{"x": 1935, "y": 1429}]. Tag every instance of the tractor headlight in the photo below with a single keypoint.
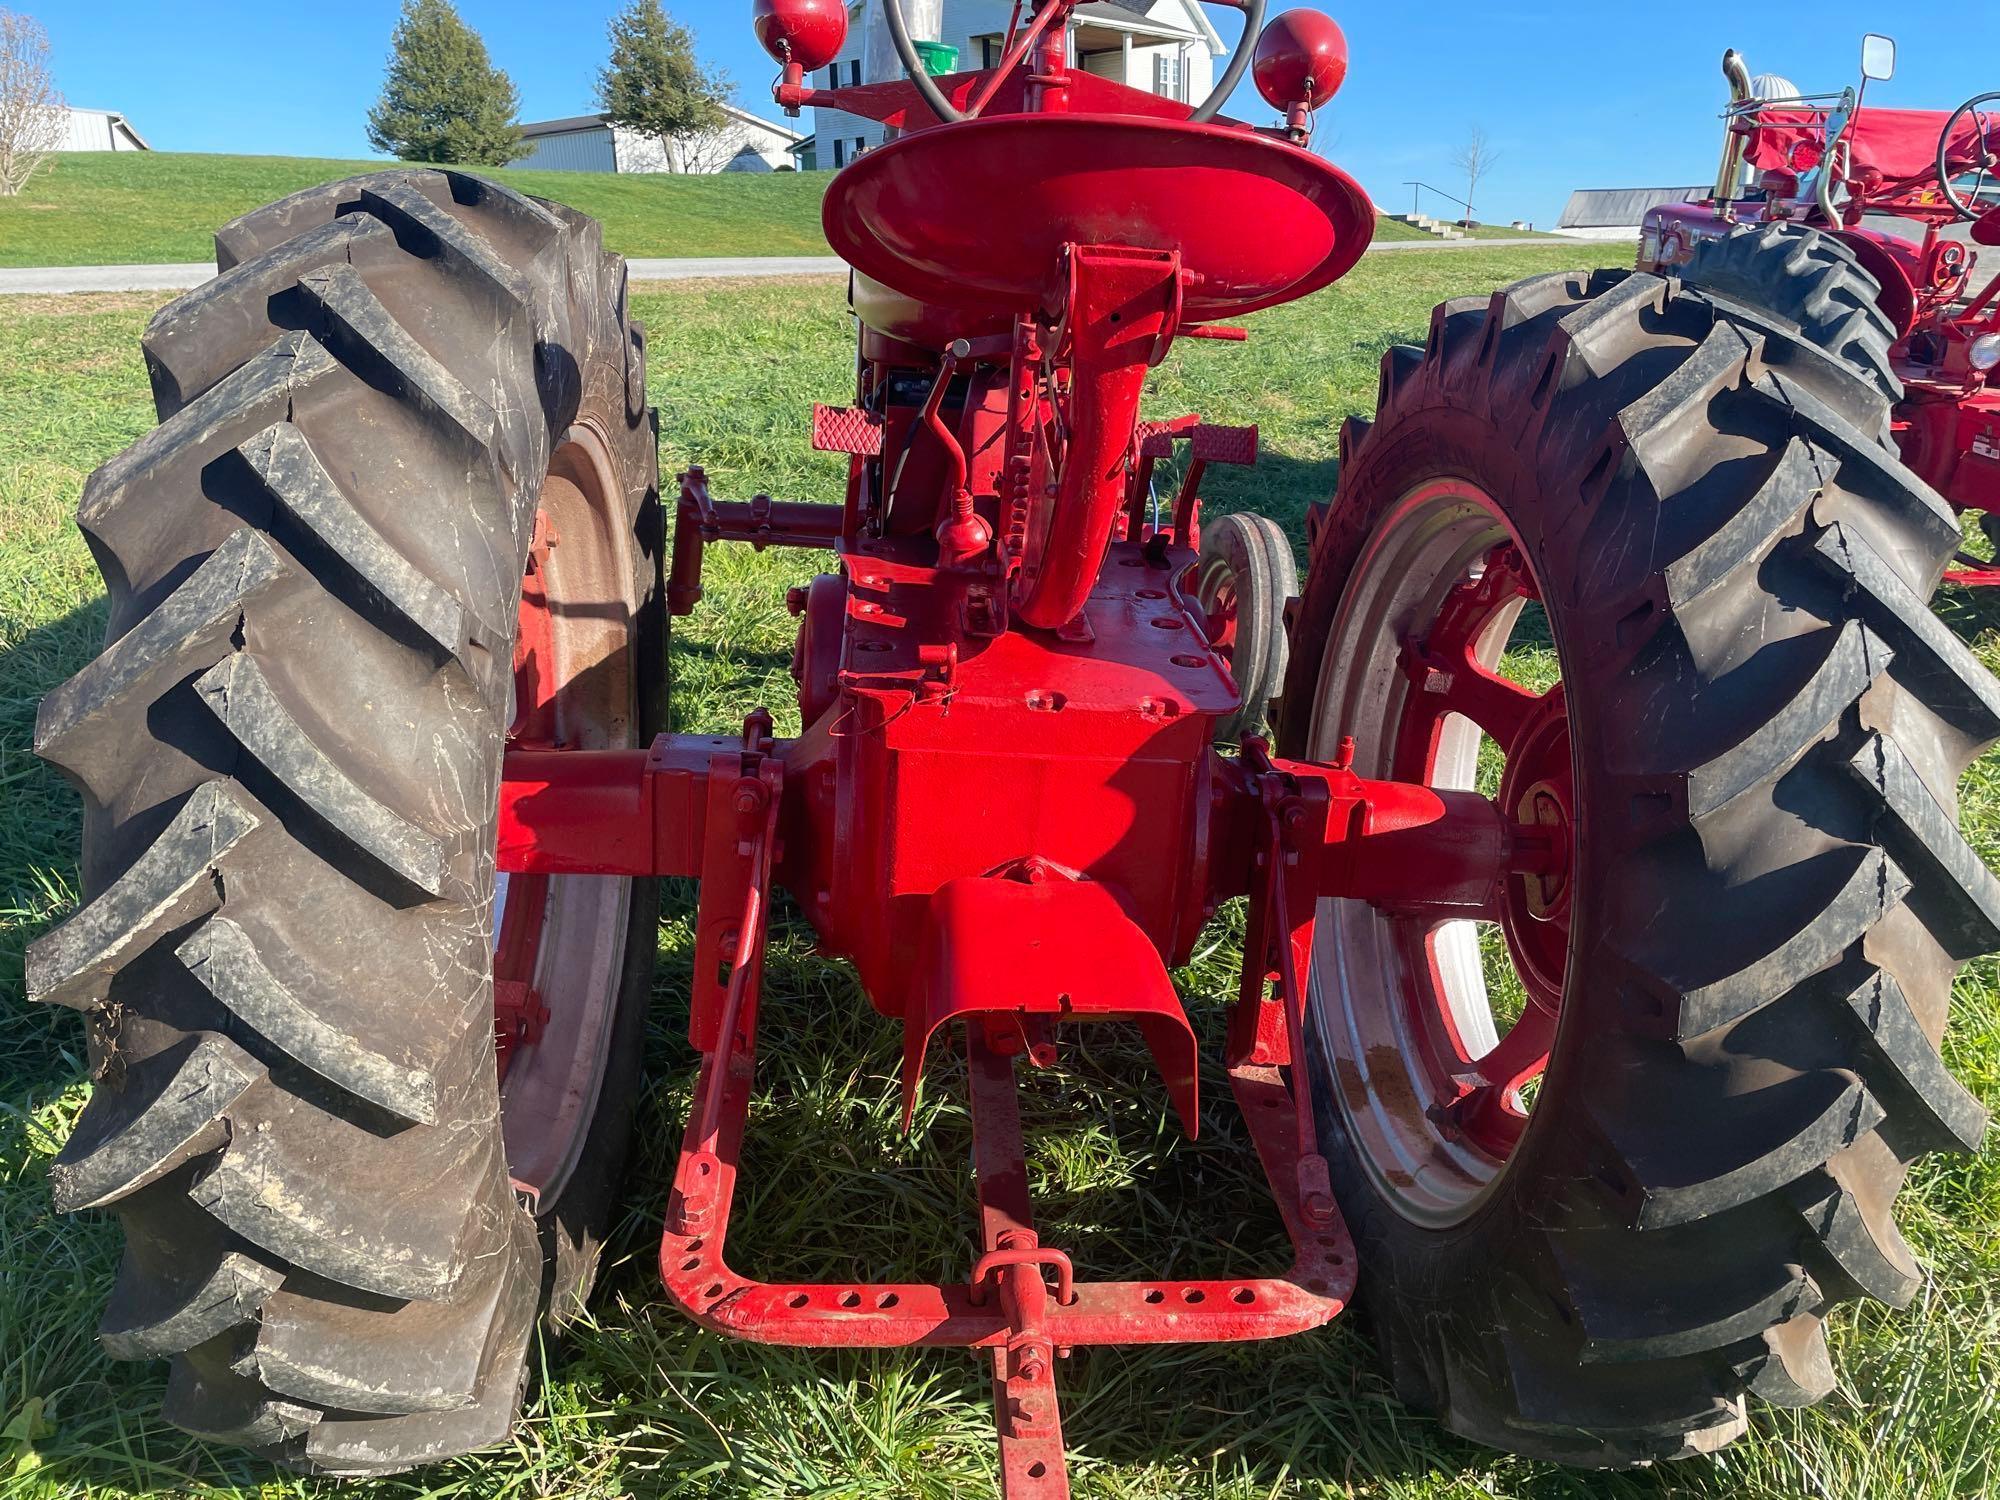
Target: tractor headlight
[{"x": 1986, "y": 351}]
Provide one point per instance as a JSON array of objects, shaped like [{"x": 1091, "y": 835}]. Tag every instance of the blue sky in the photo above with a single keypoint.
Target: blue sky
[{"x": 1601, "y": 96}]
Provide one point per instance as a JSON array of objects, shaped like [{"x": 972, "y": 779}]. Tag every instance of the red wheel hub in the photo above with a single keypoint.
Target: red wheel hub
[
  {"x": 1219, "y": 616},
  {"x": 1478, "y": 1093}
]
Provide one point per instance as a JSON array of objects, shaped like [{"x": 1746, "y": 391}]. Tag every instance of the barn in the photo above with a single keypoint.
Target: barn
[
  {"x": 593, "y": 143},
  {"x": 1617, "y": 213},
  {"x": 99, "y": 130}
]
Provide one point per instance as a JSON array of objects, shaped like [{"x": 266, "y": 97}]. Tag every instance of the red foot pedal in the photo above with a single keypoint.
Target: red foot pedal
[
  {"x": 1212, "y": 444},
  {"x": 846, "y": 429},
  {"x": 1156, "y": 439},
  {"x": 1225, "y": 445}
]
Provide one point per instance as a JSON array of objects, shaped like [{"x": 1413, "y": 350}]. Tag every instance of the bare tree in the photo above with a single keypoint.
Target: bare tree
[
  {"x": 706, "y": 151},
  {"x": 1475, "y": 159},
  {"x": 33, "y": 119}
]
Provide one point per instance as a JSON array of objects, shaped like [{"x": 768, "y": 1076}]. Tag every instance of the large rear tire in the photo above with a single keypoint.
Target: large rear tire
[
  {"x": 399, "y": 390},
  {"x": 1767, "y": 892}
]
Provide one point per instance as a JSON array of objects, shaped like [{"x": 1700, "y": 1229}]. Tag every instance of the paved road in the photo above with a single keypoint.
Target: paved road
[{"x": 52, "y": 280}]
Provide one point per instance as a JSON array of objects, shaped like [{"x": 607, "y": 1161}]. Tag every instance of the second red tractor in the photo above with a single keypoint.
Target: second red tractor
[{"x": 1875, "y": 233}]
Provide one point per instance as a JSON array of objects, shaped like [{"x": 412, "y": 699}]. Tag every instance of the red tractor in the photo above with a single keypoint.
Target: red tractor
[
  {"x": 1862, "y": 228},
  {"x": 378, "y": 783}
]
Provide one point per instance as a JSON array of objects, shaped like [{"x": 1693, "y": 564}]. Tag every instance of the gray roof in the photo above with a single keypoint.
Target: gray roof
[
  {"x": 1620, "y": 208},
  {"x": 1119, "y": 10},
  {"x": 557, "y": 127}
]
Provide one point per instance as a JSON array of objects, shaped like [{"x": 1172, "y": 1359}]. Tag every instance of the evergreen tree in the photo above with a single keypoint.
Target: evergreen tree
[
  {"x": 655, "y": 85},
  {"x": 443, "y": 100}
]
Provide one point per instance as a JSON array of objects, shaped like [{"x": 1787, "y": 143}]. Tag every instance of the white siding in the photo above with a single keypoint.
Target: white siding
[
  {"x": 745, "y": 144},
  {"x": 1109, "y": 65},
  {"x": 833, "y": 127},
  {"x": 965, "y": 21},
  {"x": 97, "y": 130},
  {"x": 588, "y": 150},
  {"x": 737, "y": 147},
  {"x": 1196, "y": 68}
]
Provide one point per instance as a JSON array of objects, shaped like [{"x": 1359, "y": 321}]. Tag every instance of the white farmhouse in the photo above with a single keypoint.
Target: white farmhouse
[
  {"x": 1163, "y": 46},
  {"x": 99, "y": 130},
  {"x": 592, "y": 143}
]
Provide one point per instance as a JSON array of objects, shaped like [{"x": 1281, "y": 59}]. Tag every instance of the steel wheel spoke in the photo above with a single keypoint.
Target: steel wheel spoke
[
  {"x": 1498, "y": 705},
  {"x": 1520, "y": 1055}
]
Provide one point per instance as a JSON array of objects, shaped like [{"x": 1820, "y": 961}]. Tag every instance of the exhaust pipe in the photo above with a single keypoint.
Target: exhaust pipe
[{"x": 1737, "y": 71}]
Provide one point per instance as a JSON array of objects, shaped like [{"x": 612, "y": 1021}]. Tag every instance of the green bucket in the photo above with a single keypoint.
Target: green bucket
[{"x": 937, "y": 57}]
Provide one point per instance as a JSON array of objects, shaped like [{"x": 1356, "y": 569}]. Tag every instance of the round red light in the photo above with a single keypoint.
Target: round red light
[
  {"x": 1301, "y": 59},
  {"x": 806, "y": 32}
]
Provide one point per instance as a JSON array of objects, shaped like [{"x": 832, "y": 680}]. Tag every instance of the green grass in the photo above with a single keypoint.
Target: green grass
[
  {"x": 641, "y": 1403},
  {"x": 113, "y": 208},
  {"x": 137, "y": 208},
  {"x": 1394, "y": 229}
]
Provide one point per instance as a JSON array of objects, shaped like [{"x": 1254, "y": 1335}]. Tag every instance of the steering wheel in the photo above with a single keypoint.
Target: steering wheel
[
  {"x": 1989, "y": 154},
  {"x": 945, "y": 110}
]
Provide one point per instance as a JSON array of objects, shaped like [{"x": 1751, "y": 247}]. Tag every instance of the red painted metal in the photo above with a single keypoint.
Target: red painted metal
[
  {"x": 1004, "y": 806},
  {"x": 1119, "y": 316},
  {"x": 1301, "y": 58},
  {"x": 1530, "y": 900},
  {"x": 846, "y": 429},
  {"x": 1032, "y": 947},
  {"x": 1254, "y": 220},
  {"x": 805, "y": 34},
  {"x": 518, "y": 1013}
]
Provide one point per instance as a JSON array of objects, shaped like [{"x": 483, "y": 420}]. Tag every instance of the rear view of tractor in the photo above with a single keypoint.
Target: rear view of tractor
[
  {"x": 378, "y": 779},
  {"x": 1874, "y": 233}
]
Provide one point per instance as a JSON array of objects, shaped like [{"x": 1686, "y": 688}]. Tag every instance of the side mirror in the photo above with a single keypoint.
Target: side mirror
[{"x": 1878, "y": 57}]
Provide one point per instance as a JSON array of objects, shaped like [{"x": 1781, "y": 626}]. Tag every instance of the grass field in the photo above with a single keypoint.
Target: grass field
[
  {"x": 1392, "y": 229},
  {"x": 115, "y": 208},
  {"x": 136, "y": 208},
  {"x": 642, "y": 1403}
]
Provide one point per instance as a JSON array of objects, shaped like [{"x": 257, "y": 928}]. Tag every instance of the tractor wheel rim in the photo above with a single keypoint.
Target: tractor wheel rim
[
  {"x": 1216, "y": 595},
  {"x": 1427, "y": 1072},
  {"x": 560, "y": 941}
]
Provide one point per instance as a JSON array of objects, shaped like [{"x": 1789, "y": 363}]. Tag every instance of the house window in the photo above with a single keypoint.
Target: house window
[
  {"x": 1167, "y": 76},
  {"x": 989, "y": 50},
  {"x": 860, "y": 144},
  {"x": 854, "y": 72},
  {"x": 833, "y": 75},
  {"x": 839, "y": 153}
]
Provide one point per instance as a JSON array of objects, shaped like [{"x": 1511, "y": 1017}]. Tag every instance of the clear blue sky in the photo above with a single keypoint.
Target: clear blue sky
[{"x": 1573, "y": 96}]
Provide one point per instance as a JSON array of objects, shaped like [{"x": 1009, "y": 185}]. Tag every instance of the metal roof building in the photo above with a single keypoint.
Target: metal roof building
[
  {"x": 1617, "y": 213},
  {"x": 592, "y": 143},
  {"x": 99, "y": 130}
]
